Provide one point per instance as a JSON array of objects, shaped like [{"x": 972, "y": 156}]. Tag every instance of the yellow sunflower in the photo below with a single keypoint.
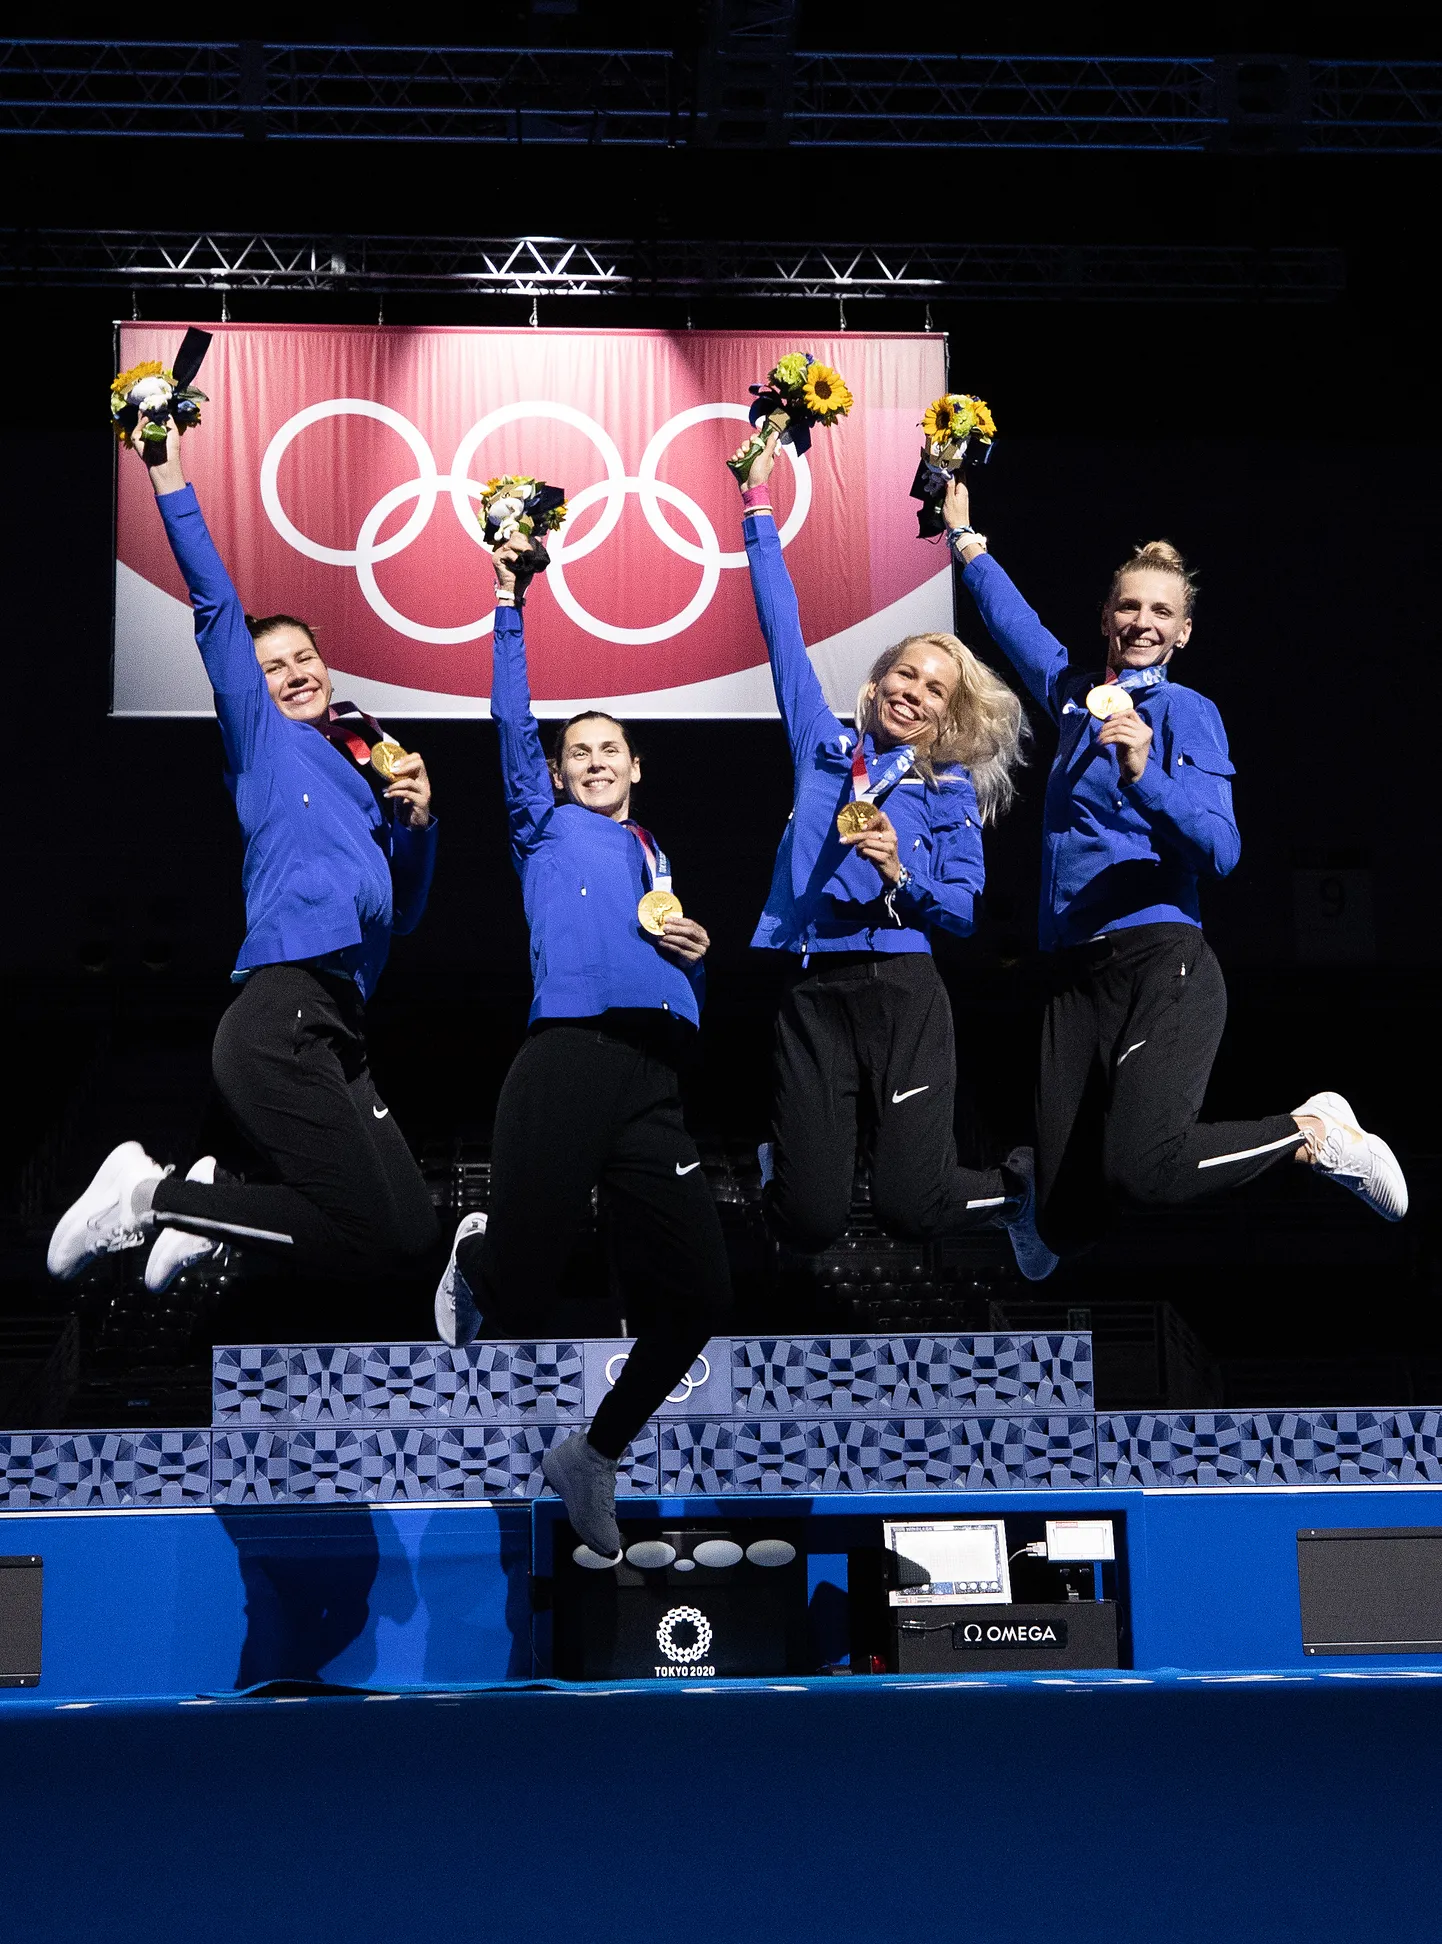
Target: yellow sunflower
[
  {"x": 985, "y": 423},
  {"x": 152, "y": 368},
  {"x": 827, "y": 394},
  {"x": 939, "y": 418}
]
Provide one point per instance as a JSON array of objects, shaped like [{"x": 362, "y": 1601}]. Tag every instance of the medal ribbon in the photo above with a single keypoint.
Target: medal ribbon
[
  {"x": 658, "y": 864},
  {"x": 339, "y": 731},
  {"x": 1139, "y": 678},
  {"x": 864, "y": 792}
]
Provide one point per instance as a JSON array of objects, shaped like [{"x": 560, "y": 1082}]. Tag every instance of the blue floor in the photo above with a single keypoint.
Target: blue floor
[{"x": 1167, "y": 1808}]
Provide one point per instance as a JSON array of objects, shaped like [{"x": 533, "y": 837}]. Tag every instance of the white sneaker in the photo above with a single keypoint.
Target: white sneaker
[
  {"x": 177, "y": 1250},
  {"x": 102, "y": 1221},
  {"x": 457, "y": 1318},
  {"x": 1357, "y": 1160}
]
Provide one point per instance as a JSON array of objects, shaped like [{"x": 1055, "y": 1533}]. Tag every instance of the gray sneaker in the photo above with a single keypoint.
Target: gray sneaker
[
  {"x": 585, "y": 1482},
  {"x": 1034, "y": 1259}
]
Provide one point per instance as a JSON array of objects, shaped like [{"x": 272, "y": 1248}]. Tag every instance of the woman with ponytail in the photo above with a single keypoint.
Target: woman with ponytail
[
  {"x": 865, "y": 1051},
  {"x": 1138, "y": 811}
]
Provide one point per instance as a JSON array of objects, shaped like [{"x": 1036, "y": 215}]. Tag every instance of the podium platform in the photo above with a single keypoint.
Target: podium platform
[{"x": 293, "y": 1677}]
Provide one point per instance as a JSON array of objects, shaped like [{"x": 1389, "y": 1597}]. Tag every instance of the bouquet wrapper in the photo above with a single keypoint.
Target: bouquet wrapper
[
  {"x": 771, "y": 413},
  {"x": 933, "y": 478}
]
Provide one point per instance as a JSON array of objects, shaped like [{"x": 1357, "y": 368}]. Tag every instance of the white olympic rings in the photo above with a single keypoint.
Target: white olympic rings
[
  {"x": 683, "y": 1616},
  {"x": 688, "y": 1383},
  {"x": 610, "y": 493}
]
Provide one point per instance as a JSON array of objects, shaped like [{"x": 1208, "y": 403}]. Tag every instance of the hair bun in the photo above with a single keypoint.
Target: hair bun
[{"x": 1159, "y": 553}]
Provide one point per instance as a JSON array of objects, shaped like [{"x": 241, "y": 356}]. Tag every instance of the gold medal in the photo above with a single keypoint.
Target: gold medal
[
  {"x": 856, "y": 816},
  {"x": 1108, "y": 699},
  {"x": 655, "y": 908},
  {"x": 384, "y": 757}
]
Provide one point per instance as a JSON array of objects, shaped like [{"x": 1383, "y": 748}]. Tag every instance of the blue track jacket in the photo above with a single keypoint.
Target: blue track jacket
[
  {"x": 1116, "y": 854},
  {"x": 582, "y": 875},
  {"x": 327, "y": 873},
  {"x": 824, "y": 898}
]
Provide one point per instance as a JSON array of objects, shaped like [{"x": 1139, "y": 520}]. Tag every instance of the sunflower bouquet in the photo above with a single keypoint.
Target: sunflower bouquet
[
  {"x": 799, "y": 392},
  {"x": 152, "y": 395},
  {"x": 514, "y": 503},
  {"x": 957, "y": 430}
]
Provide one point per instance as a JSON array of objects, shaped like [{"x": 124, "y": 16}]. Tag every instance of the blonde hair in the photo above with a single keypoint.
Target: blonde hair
[
  {"x": 1164, "y": 558},
  {"x": 983, "y": 728}
]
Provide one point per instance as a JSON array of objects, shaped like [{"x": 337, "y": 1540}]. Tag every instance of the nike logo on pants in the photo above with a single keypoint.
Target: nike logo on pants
[
  {"x": 897, "y": 1098},
  {"x": 688, "y": 1168}
]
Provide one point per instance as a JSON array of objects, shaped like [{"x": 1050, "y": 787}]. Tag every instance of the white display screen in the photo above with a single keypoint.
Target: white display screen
[{"x": 965, "y": 1558}]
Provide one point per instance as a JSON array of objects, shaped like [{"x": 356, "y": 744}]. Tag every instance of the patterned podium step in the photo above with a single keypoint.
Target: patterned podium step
[
  {"x": 735, "y": 1378},
  {"x": 319, "y": 1424}
]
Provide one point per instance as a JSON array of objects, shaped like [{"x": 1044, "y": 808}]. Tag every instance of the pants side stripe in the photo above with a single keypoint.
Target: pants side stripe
[
  {"x": 172, "y": 1218},
  {"x": 1249, "y": 1154}
]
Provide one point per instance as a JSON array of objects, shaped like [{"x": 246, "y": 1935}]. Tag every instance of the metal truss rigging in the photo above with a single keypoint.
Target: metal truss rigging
[
  {"x": 652, "y": 97},
  {"x": 144, "y": 260}
]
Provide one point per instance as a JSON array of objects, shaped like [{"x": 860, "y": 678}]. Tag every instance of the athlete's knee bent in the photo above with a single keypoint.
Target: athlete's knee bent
[{"x": 806, "y": 1223}]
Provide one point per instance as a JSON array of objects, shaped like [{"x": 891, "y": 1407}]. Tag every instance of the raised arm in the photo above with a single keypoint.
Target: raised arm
[
  {"x": 242, "y": 701},
  {"x": 1033, "y": 651},
  {"x": 525, "y": 774},
  {"x": 799, "y": 696}
]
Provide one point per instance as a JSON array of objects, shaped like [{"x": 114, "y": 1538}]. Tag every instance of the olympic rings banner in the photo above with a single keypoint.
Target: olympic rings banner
[{"x": 339, "y": 469}]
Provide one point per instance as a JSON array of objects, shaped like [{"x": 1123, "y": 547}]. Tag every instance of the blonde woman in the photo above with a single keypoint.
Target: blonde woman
[
  {"x": 1138, "y": 813},
  {"x": 865, "y": 1053}
]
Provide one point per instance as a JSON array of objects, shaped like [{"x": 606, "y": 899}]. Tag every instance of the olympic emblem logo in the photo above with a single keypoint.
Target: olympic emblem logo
[
  {"x": 682, "y": 1616},
  {"x": 610, "y": 493},
  {"x": 682, "y": 1394}
]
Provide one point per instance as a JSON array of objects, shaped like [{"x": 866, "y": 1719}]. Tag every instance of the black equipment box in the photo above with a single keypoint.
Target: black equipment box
[
  {"x": 1371, "y": 1590},
  {"x": 730, "y": 1601},
  {"x": 21, "y": 1582},
  {"x": 1004, "y": 1639}
]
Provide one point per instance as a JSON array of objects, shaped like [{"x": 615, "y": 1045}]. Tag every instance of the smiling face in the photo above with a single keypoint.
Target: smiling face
[
  {"x": 910, "y": 701},
  {"x": 595, "y": 767},
  {"x": 1145, "y": 619},
  {"x": 298, "y": 680}
]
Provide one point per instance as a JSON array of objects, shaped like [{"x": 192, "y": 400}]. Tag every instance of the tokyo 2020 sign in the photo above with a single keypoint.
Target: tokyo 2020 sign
[{"x": 339, "y": 469}]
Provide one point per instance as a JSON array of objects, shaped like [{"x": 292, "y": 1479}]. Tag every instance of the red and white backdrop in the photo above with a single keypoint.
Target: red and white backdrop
[{"x": 338, "y": 468}]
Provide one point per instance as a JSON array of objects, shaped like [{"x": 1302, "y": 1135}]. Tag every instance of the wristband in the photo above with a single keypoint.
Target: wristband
[
  {"x": 967, "y": 536},
  {"x": 505, "y": 598},
  {"x": 756, "y": 499}
]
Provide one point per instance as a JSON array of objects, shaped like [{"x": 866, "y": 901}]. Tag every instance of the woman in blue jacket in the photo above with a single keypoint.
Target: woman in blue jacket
[
  {"x": 865, "y": 1048},
  {"x": 334, "y": 863},
  {"x": 592, "y": 1098},
  {"x": 1138, "y": 810}
]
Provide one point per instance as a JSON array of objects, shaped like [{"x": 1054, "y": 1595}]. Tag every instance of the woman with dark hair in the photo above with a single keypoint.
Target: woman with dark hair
[
  {"x": 336, "y": 860},
  {"x": 1139, "y": 810},
  {"x": 592, "y": 1098},
  {"x": 865, "y": 1049}
]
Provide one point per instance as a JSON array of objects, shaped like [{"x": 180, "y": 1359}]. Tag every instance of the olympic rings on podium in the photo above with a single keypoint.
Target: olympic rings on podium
[{"x": 610, "y": 493}]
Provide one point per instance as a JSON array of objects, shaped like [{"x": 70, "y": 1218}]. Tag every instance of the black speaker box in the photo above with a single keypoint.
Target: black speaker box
[
  {"x": 1004, "y": 1639},
  {"x": 685, "y": 1621},
  {"x": 21, "y": 1584}
]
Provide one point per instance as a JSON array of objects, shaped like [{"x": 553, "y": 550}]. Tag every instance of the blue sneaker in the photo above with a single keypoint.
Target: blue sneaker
[
  {"x": 458, "y": 1321},
  {"x": 1034, "y": 1259},
  {"x": 766, "y": 1156}
]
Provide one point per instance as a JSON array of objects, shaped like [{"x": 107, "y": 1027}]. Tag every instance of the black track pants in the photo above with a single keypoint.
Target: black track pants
[
  {"x": 1127, "y": 1046},
  {"x": 580, "y": 1109},
  {"x": 289, "y": 1063},
  {"x": 865, "y": 1052}
]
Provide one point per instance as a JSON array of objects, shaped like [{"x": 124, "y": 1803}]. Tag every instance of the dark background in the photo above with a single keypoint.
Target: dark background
[{"x": 1290, "y": 451}]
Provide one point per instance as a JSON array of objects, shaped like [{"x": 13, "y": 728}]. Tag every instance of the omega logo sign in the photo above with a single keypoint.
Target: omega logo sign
[
  {"x": 1034, "y": 1633},
  {"x": 685, "y": 1661}
]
